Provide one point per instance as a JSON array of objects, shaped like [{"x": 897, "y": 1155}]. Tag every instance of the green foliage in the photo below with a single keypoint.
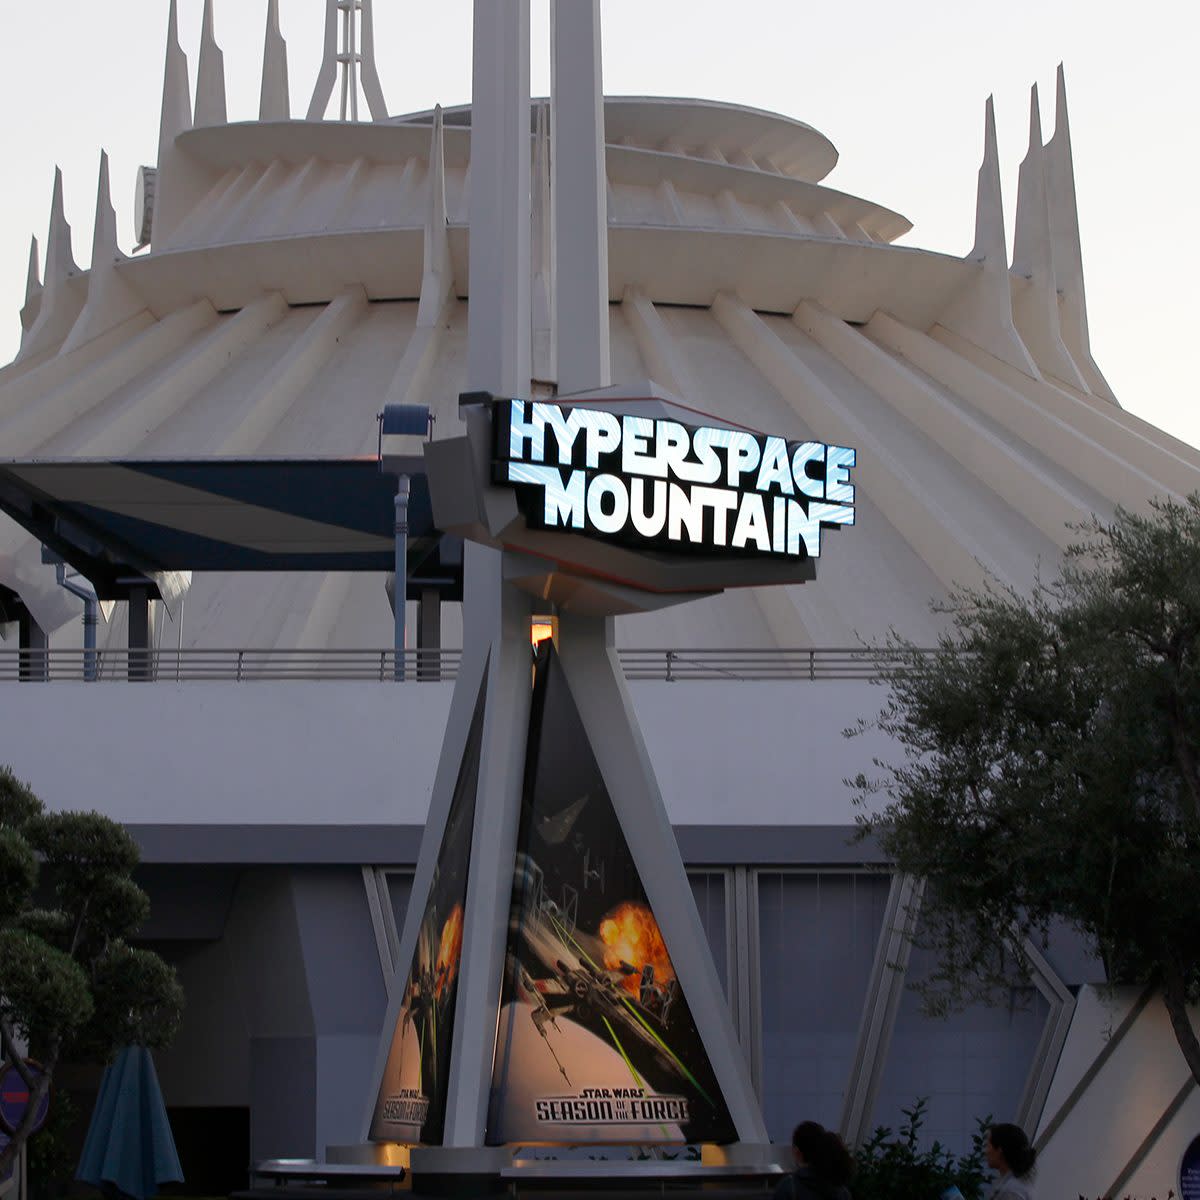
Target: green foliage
[
  {"x": 18, "y": 869},
  {"x": 18, "y": 804},
  {"x": 893, "y": 1165},
  {"x": 46, "y": 992},
  {"x": 53, "y": 1154},
  {"x": 138, "y": 1001},
  {"x": 72, "y": 985},
  {"x": 1051, "y": 767}
]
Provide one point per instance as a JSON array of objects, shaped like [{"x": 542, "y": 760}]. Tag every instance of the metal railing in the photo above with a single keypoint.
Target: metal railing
[
  {"x": 232, "y": 665},
  {"x": 381, "y": 666}
]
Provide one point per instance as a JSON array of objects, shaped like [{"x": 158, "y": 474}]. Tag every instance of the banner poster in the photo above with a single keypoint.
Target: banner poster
[
  {"x": 595, "y": 1042},
  {"x": 411, "y": 1105}
]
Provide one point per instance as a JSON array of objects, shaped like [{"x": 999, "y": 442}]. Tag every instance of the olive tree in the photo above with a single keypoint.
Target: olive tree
[
  {"x": 1048, "y": 767},
  {"x": 71, "y": 986}
]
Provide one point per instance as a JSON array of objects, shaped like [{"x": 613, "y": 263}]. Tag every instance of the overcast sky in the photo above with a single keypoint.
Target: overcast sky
[{"x": 899, "y": 88}]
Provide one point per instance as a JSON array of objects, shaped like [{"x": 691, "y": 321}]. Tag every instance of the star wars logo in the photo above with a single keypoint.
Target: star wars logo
[
  {"x": 406, "y": 1107},
  {"x": 654, "y": 482},
  {"x": 611, "y": 1106}
]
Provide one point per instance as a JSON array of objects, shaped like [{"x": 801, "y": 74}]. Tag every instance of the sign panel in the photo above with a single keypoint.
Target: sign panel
[
  {"x": 595, "y": 1042},
  {"x": 411, "y": 1105},
  {"x": 14, "y": 1097},
  {"x": 661, "y": 484},
  {"x": 1189, "y": 1171}
]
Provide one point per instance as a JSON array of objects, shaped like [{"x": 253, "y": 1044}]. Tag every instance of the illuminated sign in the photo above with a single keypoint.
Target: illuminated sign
[{"x": 646, "y": 481}]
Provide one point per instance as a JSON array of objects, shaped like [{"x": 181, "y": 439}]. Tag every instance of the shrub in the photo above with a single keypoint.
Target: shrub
[{"x": 892, "y": 1166}]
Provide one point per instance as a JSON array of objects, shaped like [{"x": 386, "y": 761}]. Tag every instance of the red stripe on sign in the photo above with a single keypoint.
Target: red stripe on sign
[{"x": 18, "y": 1096}]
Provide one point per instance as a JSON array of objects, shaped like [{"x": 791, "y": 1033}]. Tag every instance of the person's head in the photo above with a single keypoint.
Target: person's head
[
  {"x": 822, "y": 1151},
  {"x": 1008, "y": 1150}
]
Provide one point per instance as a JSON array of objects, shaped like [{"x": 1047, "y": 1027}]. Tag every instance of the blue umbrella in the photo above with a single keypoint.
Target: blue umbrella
[{"x": 129, "y": 1144}]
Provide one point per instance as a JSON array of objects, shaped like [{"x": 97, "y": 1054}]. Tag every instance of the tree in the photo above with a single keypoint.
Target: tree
[
  {"x": 71, "y": 987},
  {"x": 1051, "y": 767}
]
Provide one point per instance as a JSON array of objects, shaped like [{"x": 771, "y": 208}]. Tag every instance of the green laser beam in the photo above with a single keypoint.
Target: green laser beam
[{"x": 638, "y": 1017}]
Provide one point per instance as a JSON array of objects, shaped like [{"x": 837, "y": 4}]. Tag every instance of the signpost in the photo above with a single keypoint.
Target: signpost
[{"x": 555, "y": 985}]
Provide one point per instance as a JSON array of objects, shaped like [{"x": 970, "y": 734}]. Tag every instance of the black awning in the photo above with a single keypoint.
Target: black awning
[{"x": 120, "y": 523}]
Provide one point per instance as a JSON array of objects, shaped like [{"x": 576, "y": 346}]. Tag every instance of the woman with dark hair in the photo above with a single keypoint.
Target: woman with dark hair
[
  {"x": 1009, "y": 1153},
  {"x": 823, "y": 1166}
]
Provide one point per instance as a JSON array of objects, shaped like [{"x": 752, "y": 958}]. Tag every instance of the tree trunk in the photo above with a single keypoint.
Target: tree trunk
[{"x": 1175, "y": 999}]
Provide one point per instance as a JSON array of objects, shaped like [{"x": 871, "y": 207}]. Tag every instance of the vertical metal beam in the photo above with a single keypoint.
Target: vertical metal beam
[
  {"x": 379, "y": 906},
  {"x": 745, "y": 964},
  {"x": 1054, "y": 1036},
  {"x": 579, "y": 197},
  {"x": 400, "y": 604},
  {"x": 884, "y": 991},
  {"x": 493, "y": 860}
]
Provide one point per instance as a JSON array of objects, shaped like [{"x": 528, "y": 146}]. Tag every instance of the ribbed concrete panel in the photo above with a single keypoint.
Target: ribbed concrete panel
[{"x": 282, "y": 313}]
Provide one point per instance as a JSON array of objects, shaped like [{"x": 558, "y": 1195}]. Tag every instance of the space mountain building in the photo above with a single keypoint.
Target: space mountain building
[{"x": 212, "y": 661}]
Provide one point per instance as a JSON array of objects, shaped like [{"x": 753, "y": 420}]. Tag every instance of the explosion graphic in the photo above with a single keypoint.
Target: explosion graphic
[
  {"x": 449, "y": 949},
  {"x": 630, "y": 935}
]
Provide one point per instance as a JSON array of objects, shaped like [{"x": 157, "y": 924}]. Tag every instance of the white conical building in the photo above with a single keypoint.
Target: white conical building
[{"x": 303, "y": 272}]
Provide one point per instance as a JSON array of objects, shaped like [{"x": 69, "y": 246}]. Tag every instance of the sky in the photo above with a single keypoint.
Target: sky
[{"x": 898, "y": 88}]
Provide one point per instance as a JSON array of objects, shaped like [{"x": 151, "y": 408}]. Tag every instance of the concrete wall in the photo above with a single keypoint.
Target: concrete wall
[
  {"x": 283, "y": 1012},
  {"x": 354, "y": 753},
  {"x": 1138, "y": 1113}
]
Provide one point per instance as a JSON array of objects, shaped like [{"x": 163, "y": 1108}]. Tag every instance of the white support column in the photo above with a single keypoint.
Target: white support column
[
  {"x": 579, "y": 196},
  {"x": 498, "y": 360},
  {"x": 496, "y": 614},
  {"x": 498, "y": 329}
]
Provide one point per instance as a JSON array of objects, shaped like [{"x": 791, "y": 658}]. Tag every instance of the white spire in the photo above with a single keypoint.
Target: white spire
[
  {"x": 1031, "y": 233},
  {"x": 1035, "y": 294},
  {"x": 274, "y": 102},
  {"x": 110, "y": 301},
  {"x": 33, "y": 282},
  {"x": 62, "y": 297},
  {"x": 437, "y": 281},
  {"x": 354, "y": 55},
  {"x": 1065, "y": 245},
  {"x": 60, "y": 259},
  {"x": 33, "y": 291},
  {"x": 104, "y": 236},
  {"x": 176, "y": 99},
  {"x": 983, "y": 312},
  {"x": 210, "y": 76},
  {"x": 989, "y": 200}
]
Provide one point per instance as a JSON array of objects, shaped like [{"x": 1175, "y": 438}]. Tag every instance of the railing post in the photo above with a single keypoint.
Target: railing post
[
  {"x": 812, "y": 664},
  {"x": 670, "y": 660},
  {"x": 239, "y": 666}
]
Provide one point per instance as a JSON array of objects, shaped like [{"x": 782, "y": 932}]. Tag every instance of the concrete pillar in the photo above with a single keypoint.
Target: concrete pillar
[
  {"x": 34, "y": 661},
  {"x": 429, "y": 634},
  {"x": 140, "y": 664},
  {"x": 580, "y": 197}
]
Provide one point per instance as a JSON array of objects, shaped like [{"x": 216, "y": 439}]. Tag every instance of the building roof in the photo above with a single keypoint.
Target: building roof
[{"x": 302, "y": 273}]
